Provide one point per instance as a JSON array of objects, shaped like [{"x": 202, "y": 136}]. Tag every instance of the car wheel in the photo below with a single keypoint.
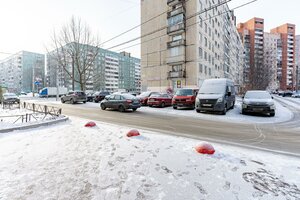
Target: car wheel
[
  {"x": 198, "y": 111},
  {"x": 84, "y": 102},
  {"x": 121, "y": 108},
  {"x": 243, "y": 112},
  {"x": 72, "y": 101},
  {"x": 193, "y": 107},
  {"x": 232, "y": 107},
  {"x": 150, "y": 105},
  {"x": 102, "y": 106},
  {"x": 134, "y": 109},
  {"x": 175, "y": 107},
  {"x": 62, "y": 101},
  {"x": 272, "y": 114},
  {"x": 162, "y": 104},
  {"x": 225, "y": 110}
]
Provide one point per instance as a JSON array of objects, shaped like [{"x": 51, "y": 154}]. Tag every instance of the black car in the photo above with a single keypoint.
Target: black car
[
  {"x": 287, "y": 93},
  {"x": 121, "y": 102},
  {"x": 90, "y": 97},
  {"x": 256, "y": 101},
  {"x": 99, "y": 96}
]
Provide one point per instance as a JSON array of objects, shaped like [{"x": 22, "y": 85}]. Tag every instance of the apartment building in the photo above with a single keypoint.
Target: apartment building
[
  {"x": 23, "y": 72},
  {"x": 187, "y": 41},
  {"x": 252, "y": 35},
  {"x": 273, "y": 59},
  {"x": 297, "y": 61},
  {"x": 288, "y": 70},
  {"x": 110, "y": 71}
]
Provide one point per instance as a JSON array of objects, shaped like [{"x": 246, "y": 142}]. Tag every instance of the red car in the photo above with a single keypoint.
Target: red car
[
  {"x": 144, "y": 97},
  {"x": 185, "y": 98},
  {"x": 160, "y": 100}
]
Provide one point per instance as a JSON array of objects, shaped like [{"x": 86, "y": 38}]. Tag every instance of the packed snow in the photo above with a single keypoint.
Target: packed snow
[
  {"x": 70, "y": 161},
  {"x": 282, "y": 113}
]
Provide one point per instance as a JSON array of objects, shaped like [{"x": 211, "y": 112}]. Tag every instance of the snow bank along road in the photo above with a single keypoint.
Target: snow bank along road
[
  {"x": 277, "y": 136},
  {"x": 69, "y": 161}
]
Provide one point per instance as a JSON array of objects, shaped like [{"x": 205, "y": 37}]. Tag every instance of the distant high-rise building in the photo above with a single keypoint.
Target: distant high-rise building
[
  {"x": 252, "y": 35},
  {"x": 111, "y": 71},
  {"x": 272, "y": 59},
  {"x": 288, "y": 70},
  {"x": 297, "y": 60},
  {"x": 23, "y": 72},
  {"x": 193, "y": 41}
]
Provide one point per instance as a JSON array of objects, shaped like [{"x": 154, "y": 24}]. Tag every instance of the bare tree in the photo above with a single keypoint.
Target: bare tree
[{"x": 76, "y": 50}]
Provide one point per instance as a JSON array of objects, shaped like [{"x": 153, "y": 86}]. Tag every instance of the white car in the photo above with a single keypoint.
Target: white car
[{"x": 296, "y": 95}]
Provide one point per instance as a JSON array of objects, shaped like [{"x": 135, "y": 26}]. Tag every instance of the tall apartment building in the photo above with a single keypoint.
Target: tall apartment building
[
  {"x": 111, "y": 71},
  {"x": 21, "y": 71},
  {"x": 252, "y": 35},
  {"x": 297, "y": 60},
  {"x": 288, "y": 70},
  {"x": 273, "y": 59},
  {"x": 185, "y": 42}
]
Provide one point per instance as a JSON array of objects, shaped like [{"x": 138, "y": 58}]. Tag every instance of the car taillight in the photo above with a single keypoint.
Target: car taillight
[{"x": 129, "y": 101}]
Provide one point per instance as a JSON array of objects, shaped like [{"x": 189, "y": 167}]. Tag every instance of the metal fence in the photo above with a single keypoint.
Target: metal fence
[{"x": 47, "y": 110}]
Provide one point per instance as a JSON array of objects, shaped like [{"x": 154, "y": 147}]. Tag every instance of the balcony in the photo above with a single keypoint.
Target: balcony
[
  {"x": 176, "y": 43},
  {"x": 174, "y": 2},
  {"x": 179, "y": 10},
  {"x": 177, "y": 28},
  {"x": 176, "y": 74}
]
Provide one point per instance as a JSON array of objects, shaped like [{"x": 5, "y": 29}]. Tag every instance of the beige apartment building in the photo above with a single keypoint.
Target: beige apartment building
[{"x": 185, "y": 42}]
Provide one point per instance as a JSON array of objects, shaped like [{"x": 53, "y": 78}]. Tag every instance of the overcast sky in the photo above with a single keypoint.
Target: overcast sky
[{"x": 28, "y": 24}]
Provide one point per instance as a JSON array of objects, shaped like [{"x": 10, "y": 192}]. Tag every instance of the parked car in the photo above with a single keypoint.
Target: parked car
[
  {"x": 256, "y": 101},
  {"x": 217, "y": 95},
  {"x": 9, "y": 98},
  {"x": 99, "y": 96},
  {"x": 121, "y": 102},
  {"x": 160, "y": 100},
  {"x": 287, "y": 93},
  {"x": 90, "y": 97},
  {"x": 144, "y": 97},
  {"x": 185, "y": 98},
  {"x": 296, "y": 94},
  {"x": 74, "y": 97}
]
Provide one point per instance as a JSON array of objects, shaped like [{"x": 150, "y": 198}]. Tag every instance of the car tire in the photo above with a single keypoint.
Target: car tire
[
  {"x": 175, "y": 107},
  {"x": 198, "y": 111},
  {"x": 272, "y": 114},
  {"x": 162, "y": 104},
  {"x": 84, "y": 102},
  {"x": 243, "y": 112},
  {"x": 102, "y": 106},
  {"x": 62, "y": 101},
  {"x": 150, "y": 106},
  {"x": 225, "y": 110},
  {"x": 134, "y": 109},
  {"x": 232, "y": 107},
  {"x": 72, "y": 101},
  {"x": 121, "y": 108}
]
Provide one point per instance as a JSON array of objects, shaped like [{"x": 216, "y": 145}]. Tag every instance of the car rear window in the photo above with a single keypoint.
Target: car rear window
[{"x": 80, "y": 93}]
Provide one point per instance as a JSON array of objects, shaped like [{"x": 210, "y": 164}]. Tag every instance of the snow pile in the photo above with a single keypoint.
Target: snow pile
[{"x": 69, "y": 161}]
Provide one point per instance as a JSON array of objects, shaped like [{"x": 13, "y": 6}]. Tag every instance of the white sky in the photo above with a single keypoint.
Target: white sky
[{"x": 28, "y": 24}]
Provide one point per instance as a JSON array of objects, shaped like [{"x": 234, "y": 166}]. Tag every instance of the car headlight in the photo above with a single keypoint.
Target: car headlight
[
  {"x": 244, "y": 105},
  {"x": 197, "y": 100},
  {"x": 220, "y": 100}
]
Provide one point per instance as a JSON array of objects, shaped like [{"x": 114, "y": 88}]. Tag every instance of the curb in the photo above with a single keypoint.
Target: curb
[{"x": 34, "y": 125}]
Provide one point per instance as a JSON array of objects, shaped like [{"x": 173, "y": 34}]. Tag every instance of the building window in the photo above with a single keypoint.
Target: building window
[
  {"x": 200, "y": 53},
  {"x": 200, "y": 68},
  {"x": 205, "y": 55}
]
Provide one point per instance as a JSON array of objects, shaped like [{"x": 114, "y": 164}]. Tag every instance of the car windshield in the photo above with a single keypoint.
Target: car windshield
[
  {"x": 10, "y": 95},
  {"x": 257, "y": 95},
  {"x": 184, "y": 92},
  {"x": 145, "y": 94},
  {"x": 212, "y": 88}
]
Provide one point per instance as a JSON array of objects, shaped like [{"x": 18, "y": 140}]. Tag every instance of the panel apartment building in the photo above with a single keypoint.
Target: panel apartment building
[
  {"x": 111, "y": 72},
  {"x": 20, "y": 71},
  {"x": 185, "y": 42},
  {"x": 297, "y": 60},
  {"x": 288, "y": 70}
]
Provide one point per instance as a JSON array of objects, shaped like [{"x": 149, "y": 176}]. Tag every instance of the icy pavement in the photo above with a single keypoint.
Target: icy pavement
[{"x": 69, "y": 161}]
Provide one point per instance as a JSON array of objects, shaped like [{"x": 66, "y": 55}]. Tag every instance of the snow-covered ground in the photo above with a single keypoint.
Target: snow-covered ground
[
  {"x": 295, "y": 102},
  {"x": 69, "y": 161},
  {"x": 282, "y": 113}
]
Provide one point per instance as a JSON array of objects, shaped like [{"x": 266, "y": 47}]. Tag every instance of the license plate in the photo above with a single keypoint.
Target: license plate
[
  {"x": 258, "y": 109},
  {"x": 206, "y": 105}
]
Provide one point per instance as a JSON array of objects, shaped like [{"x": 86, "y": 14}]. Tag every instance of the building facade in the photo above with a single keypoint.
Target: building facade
[
  {"x": 288, "y": 70},
  {"x": 297, "y": 60},
  {"x": 23, "y": 72},
  {"x": 110, "y": 71},
  {"x": 273, "y": 59},
  {"x": 199, "y": 41},
  {"x": 252, "y": 35}
]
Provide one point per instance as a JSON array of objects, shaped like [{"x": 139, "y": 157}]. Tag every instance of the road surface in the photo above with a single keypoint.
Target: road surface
[{"x": 281, "y": 137}]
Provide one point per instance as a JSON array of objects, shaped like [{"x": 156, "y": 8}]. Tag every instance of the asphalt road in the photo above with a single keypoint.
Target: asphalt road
[{"x": 279, "y": 138}]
